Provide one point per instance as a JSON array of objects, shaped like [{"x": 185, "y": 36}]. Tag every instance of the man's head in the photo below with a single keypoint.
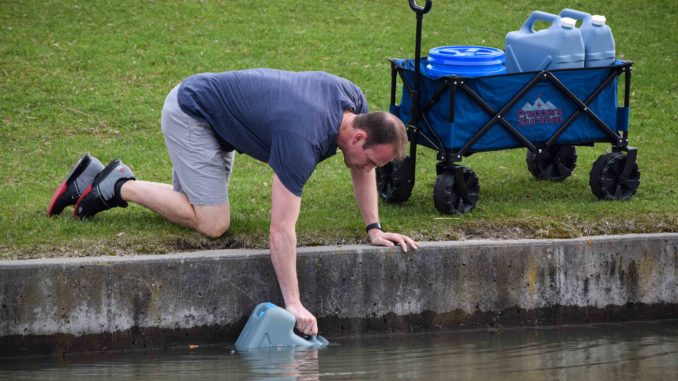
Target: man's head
[
  {"x": 373, "y": 140},
  {"x": 383, "y": 128}
]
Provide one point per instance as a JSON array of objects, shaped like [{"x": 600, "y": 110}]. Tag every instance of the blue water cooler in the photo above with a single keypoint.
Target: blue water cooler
[{"x": 464, "y": 61}]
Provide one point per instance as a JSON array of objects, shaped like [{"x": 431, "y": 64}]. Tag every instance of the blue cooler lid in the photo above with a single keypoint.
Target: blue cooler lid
[{"x": 467, "y": 61}]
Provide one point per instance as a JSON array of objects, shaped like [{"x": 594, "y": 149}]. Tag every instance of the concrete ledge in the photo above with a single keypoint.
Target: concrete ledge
[{"x": 69, "y": 305}]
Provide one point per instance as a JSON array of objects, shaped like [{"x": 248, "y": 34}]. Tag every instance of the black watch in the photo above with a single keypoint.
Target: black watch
[{"x": 374, "y": 225}]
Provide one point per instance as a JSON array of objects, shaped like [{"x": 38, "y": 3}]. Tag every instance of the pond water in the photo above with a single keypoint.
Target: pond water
[{"x": 601, "y": 352}]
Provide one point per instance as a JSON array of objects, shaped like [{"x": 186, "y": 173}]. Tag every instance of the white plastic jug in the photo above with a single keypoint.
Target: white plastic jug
[
  {"x": 273, "y": 326},
  {"x": 598, "y": 40},
  {"x": 560, "y": 46}
]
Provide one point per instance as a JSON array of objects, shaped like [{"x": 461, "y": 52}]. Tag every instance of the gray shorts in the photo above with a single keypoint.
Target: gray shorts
[{"x": 201, "y": 169}]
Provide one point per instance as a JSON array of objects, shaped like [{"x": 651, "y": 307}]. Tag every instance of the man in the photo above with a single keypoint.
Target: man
[{"x": 292, "y": 121}]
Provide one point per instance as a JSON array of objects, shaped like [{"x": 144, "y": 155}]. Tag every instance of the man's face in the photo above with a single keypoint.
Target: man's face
[{"x": 355, "y": 157}]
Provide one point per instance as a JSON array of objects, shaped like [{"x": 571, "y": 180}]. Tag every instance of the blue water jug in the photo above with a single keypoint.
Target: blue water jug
[
  {"x": 273, "y": 326},
  {"x": 560, "y": 46},
  {"x": 598, "y": 40},
  {"x": 464, "y": 61}
]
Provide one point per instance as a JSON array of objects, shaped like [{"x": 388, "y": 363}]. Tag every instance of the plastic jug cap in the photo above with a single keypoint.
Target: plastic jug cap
[
  {"x": 598, "y": 20},
  {"x": 568, "y": 22}
]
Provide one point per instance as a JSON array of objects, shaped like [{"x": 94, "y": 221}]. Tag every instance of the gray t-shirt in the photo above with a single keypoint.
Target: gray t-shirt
[{"x": 287, "y": 119}]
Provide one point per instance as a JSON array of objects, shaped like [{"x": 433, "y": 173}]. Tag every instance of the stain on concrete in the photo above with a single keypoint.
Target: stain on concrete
[
  {"x": 532, "y": 281},
  {"x": 631, "y": 282}
]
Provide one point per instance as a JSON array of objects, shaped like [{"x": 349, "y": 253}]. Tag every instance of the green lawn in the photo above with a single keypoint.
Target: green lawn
[{"x": 91, "y": 76}]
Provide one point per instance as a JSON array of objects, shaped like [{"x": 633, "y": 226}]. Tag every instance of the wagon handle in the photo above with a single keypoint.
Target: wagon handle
[
  {"x": 419, "y": 8},
  {"x": 420, "y": 11}
]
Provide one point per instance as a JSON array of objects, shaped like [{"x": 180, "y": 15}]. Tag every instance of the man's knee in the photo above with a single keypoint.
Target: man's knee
[
  {"x": 213, "y": 221},
  {"x": 214, "y": 229}
]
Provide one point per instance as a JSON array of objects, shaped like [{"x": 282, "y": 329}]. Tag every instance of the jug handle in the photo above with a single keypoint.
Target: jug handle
[
  {"x": 317, "y": 340},
  {"x": 577, "y": 15},
  {"x": 528, "y": 26}
]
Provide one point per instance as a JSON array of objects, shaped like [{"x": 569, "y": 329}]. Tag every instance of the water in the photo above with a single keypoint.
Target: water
[{"x": 601, "y": 352}]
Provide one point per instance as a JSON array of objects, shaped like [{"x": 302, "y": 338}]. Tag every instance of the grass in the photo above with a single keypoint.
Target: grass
[{"x": 78, "y": 76}]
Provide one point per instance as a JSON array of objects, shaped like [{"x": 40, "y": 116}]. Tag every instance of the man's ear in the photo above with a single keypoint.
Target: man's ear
[{"x": 359, "y": 136}]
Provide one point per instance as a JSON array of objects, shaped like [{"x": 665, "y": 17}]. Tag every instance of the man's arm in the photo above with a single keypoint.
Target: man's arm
[
  {"x": 285, "y": 208},
  {"x": 365, "y": 192}
]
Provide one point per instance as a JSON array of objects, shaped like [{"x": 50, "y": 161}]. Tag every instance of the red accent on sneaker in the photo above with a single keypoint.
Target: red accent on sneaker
[
  {"x": 77, "y": 204},
  {"x": 57, "y": 193}
]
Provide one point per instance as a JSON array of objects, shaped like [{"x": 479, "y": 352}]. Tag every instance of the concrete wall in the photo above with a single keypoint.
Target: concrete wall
[{"x": 110, "y": 303}]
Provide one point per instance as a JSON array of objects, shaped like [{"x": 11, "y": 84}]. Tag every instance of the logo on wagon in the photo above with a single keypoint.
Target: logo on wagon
[{"x": 539, "y": 113}]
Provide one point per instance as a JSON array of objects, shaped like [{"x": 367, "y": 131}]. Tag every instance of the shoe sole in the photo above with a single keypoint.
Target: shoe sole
[
  {"x": 77, "y": 204},
  {"x": 76, "y": 171},
  {"x": 109, "y": 168}
]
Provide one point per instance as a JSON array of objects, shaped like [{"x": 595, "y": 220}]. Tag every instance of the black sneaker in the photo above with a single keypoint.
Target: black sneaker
[
  {"x": 104, "y": 192},
  {"x": 78, "y": 179}
]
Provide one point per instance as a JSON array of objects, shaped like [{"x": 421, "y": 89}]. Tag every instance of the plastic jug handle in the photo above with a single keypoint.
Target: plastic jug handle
[
  {"x": 528, "y": 26},
  {"x": 317, "y": 341},
  {"x": 575, "y": 14}
]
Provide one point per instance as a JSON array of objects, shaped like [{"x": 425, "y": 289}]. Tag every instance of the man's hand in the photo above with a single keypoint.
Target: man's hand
[
  {"x": 380, "y": 238},
  {"x": 306, "y": 322},
  {"x": 365, "y": 191}
]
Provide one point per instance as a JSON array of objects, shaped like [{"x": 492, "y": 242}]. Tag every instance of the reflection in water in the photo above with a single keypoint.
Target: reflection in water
[
  {"x": 602, "y": 352},
  {"x": 283, "y": 364}
]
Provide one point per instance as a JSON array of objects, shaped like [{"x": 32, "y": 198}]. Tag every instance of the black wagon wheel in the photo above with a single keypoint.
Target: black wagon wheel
[
  {"x": 456, "y": 191},
  {"x": 556, "y": 163},
  {"x": 394, "y": 181},
  {"x": 607, "y": 179}
]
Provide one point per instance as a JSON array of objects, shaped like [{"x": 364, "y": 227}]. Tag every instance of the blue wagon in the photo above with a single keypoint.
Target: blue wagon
[{"x": 548, "y": 112}]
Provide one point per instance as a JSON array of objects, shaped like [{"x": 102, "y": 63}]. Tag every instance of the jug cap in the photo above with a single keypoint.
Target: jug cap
[
  {"x": 568, "y": 22},
  {"x": 598, "y": 20}
]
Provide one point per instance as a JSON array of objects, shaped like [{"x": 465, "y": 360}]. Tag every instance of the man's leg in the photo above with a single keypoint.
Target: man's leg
[
  {"x": 198, "y": 198},
  {"x": 211, "y": 220}
]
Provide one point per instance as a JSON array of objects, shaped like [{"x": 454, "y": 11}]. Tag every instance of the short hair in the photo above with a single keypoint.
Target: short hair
[{"x": 383, "y": 128}]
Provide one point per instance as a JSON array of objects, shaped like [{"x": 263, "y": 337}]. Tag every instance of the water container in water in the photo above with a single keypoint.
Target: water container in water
[
  {"x": 465, "y": 61},
  {"x": 272, "y": 326},
  {"x": 598, "y": 40},
  {"x": 560, "y": 46}
]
